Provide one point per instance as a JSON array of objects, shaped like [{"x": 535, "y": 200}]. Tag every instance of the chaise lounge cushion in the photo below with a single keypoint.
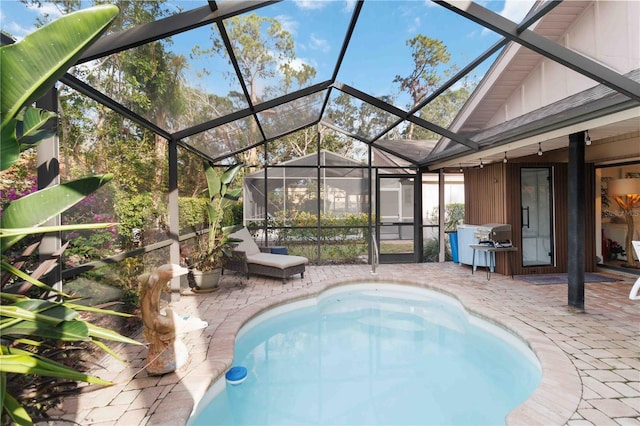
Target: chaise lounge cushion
[
  {"x": 251, "y": 259},
  {"x": 277, "y": 260}
]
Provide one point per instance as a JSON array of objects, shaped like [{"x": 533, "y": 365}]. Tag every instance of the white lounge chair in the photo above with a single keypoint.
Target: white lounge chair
[{"x": 249, "y": 259}]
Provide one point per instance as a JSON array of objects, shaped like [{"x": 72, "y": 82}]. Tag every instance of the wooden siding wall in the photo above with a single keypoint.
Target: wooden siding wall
[
  {"x": 492, "y": 195},
  {"x": 484, "y": 195}
]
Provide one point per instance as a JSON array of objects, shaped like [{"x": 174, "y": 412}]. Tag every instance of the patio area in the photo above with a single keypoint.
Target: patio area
[{"x": 590, "y": 359}]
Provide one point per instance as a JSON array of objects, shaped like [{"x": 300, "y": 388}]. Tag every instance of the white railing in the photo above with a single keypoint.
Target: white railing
[{"x": 376, "y": 254}]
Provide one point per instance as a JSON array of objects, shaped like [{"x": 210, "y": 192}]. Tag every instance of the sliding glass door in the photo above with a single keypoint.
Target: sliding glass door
[{"x": 537, "y": 216}]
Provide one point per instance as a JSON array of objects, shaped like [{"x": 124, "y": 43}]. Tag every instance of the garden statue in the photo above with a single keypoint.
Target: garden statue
[{"x": 163, "y": 328}]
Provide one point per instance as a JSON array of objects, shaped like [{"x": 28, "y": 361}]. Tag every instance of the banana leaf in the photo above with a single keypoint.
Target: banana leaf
[
  {"x": 43, "y": 56},
  {"x": 9, "y": 145},
  {"x": 55, "y": 312},
  {"x": 31, "y": 130},
  {"x": 230, "y": 173},
  {"x": 67, "y": 331},
  {"x": 24, "y": 362},
  {"x": 97, "y": 310},
  {"x": 18, "y": 414},
  {"x": 213, "y": 180},
  {"x": 3, "y": 388},
  {"x": 44, "y": 229},
  {"x": 108, "y": 350},
  {"x": 40, "y": 206},
  {"x": 23, "y": 275},
  {"x": 30, "y": 342},
  {"x": 105, "y": 333}
]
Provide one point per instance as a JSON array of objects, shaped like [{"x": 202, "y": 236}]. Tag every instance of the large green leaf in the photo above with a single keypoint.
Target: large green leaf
[
  {"x": 32, "y": 130},
  {"x": 105, "y": 333},
  {"x": 23, "y": 362},
  {"x": 17, "y": 413},
  {"x": 4, "y": 232},
  {"x": 213, "y": 180},
  {"x": 55, "y": 312},
  {"x": 53, "y": 316},
  {"x": 25, "y": 132},
  {"x": 9, "y": 146},
  {"x": 40, "y": 206},
  {"x": 67, "y": 331},
  {"x": 97, "y": 310},
  {"x": 7, "y": 267},
  {"x": 230, "y": 173},
  {"x": 31, "y": 66},
  {"x": 3, "y": 387}
]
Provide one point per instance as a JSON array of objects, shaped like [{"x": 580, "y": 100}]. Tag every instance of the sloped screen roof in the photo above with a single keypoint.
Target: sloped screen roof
[{"x": 393, "y": 74}]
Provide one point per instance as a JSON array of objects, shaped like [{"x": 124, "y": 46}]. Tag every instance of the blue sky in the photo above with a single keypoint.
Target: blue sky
[{"x": 377, "y": 52}]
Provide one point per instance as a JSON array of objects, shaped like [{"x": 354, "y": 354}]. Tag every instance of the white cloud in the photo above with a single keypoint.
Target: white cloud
[
  {"x": 47, "y": 9},
  {"x": 16, "y": 30},
  {"x": 27, "y": 14},
  {"x": 297, "y": 64},
  {"x": 319, "y": 44},
  {"x": 288, "y": 24},
  {"x": 414, "y": 25},
  {"x": 516, "y": 10},
  {"x": 310, "y": 4},
  {"x": 349, "y": 5}
]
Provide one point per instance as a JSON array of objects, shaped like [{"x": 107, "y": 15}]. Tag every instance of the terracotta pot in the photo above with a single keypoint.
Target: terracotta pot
[{"x": 207, "y": 280}]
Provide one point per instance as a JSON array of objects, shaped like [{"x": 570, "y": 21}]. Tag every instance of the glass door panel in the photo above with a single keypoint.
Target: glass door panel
[{"x": 537, "y": 216}]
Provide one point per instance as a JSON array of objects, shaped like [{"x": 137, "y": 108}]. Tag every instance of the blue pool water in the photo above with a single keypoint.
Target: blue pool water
[{"x": 373, "y": 355}]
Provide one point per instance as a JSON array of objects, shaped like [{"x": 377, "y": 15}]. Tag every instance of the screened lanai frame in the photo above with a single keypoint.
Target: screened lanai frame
[
  {"x": 316, "y": 227},
  {"x": 451, "y": 145}
]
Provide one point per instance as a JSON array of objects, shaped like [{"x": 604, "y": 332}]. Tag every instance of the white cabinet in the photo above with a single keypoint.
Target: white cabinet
[{"x": 465, "y": 253}]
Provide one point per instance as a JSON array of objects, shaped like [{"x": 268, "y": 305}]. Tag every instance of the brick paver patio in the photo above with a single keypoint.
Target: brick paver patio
[{"x": 590, "y": 359}]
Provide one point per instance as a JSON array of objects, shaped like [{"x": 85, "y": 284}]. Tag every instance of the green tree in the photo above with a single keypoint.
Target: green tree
[
  {"x": 443, "y": 109},
  {"x": 429, "y": 55},
  {"x": 266, "y": 57},
  {"x": 148, "y": 80}
]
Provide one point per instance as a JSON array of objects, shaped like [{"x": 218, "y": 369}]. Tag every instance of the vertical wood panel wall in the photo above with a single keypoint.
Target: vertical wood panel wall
[
  {"x": 484, "y": 194},
  {"x": 492, "y": 195}
]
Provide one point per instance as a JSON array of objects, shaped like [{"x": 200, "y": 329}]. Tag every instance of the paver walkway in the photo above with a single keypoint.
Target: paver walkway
[{"x": 590, "y": 359}]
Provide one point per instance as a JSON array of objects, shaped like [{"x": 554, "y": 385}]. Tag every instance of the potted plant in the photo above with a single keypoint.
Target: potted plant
[{"x": 209, "y": 256}]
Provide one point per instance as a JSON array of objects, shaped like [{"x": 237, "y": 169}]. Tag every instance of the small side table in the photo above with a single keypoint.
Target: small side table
[
  {"x": 279, "y": 250},
  {"x": 491, "y": 251}
]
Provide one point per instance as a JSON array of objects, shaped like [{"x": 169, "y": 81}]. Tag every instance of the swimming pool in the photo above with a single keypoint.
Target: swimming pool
[{"x": 373, "y": 354}]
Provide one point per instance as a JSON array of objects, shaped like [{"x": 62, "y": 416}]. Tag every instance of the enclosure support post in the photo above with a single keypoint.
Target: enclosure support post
[
  {"x": 575, "y": 220},
  {"x": 174, "y": 223},
  {"x": 417, "y": 218},
  {"x": 319, "y": 200},
  {"x": 49, "y": 175},
  {"x": 370, "y": 211},
  {"x": 265, "y": 191},
  {"x": 441, "y": 216}
]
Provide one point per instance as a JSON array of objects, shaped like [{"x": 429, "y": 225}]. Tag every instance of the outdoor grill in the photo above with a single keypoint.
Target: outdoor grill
[{"x": 495, "y": 234}]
